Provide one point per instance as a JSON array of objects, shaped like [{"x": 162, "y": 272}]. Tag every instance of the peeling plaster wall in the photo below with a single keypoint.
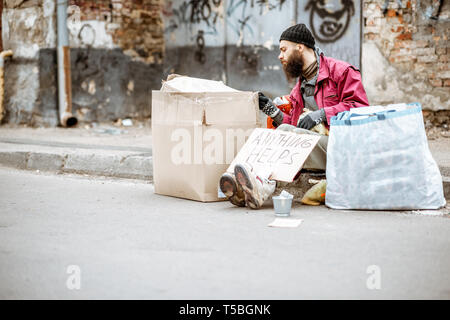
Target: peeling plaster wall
[
  {"x": 116, "y": 58},
  {"x": 385, "y": 84},
  {"x": 27, "y": 26}
]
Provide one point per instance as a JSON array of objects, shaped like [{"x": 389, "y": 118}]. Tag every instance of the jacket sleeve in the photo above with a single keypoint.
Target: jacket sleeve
[
  {"x": 351, "y": 93},
  {"x": 287, "y": 118}
]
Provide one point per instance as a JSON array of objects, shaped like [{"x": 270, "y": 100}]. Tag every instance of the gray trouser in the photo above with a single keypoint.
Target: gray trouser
[{"x": 317, "y": 159}]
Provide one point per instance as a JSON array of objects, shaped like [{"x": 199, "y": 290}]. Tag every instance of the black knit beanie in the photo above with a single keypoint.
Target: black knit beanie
[{"x": 299, "y": 34}]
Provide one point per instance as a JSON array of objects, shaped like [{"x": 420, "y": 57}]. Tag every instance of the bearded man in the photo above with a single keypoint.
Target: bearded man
[{"x": 326, "y": 86}]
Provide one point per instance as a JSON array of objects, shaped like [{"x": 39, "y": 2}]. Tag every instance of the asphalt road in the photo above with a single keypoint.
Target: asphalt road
[{"x": 75, "y": 237}]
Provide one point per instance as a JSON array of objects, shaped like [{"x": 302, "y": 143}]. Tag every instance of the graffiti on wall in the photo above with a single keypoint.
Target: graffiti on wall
[
  {"x": 199, "y": 54},
  {"x": 193, "y": 12},
  {"x": 241, "y": 22},
  {"x": 432, "y": 10},
  {"x": 328, "y": 23},
  {"x": 209, "y": 12}
]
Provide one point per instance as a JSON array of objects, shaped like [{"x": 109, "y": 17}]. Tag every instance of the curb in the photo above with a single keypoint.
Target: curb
[
  {"x": 446, "y": 184},
  {"x": 130, "y": 166},
  {"x": 445, "y": 171}
]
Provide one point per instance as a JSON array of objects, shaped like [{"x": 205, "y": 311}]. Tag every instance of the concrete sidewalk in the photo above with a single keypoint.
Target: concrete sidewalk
[
  {"x": 113, "y": 151},
  {"x": 103, "y": 150}
]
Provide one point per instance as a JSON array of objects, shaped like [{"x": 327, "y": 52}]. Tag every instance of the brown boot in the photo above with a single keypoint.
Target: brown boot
[{"x": 232, "y": 190}]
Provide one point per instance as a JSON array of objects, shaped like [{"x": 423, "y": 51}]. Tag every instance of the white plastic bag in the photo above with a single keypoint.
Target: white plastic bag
[{"x": 378, "y": 158}]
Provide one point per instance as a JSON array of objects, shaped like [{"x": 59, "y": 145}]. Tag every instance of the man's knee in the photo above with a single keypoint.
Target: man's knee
[
  {"x": 294, "y": 129},
  {"x": 286, "y": 127},
  {"x": 323, "y": 143}
]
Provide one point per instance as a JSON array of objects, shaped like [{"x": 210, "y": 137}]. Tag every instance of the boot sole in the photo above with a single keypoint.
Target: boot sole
[
  {"x": 229, "y": 188},
  {"x": 243, "y": 180},
  {"x": 310, "y": 203},
  {"x": 242, "y": 177}
]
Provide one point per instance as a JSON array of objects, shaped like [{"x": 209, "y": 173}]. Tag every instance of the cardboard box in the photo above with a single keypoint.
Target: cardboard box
[{"x": 196, "y": 136}]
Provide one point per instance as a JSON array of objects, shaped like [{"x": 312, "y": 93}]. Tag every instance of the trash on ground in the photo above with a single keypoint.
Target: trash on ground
[
  {"x": 127, "y": 122},
  {"x": 285, "y": 223},
  {"x": 430, "y": 212},
  {"x": 316, "y": 194},
  {"x": 286, "y": 195},
  {"x": 112, "y": 131}
]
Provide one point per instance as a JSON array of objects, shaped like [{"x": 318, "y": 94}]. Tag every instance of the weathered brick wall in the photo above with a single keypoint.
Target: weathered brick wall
[
  {"x": 135, "y": 26},
  {"x": 116, "y": 67},
  {"x": 413, "y": 36},
  {"x": 94, "y": 10},
  {"x": 116, "y": 54}
]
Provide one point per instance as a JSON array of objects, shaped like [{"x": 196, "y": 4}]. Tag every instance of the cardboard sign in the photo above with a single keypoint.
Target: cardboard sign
[{"x": 280, "y": 153}]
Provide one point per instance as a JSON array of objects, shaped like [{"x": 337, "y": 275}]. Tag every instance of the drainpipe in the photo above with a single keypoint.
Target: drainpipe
[
  {"x": 294, "y": 12},
  {"x": 3, "y": 55},
  {"x": 64, "y": 81}
]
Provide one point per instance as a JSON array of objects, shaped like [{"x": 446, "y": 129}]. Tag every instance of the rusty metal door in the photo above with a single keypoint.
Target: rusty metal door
[{"x": 236, "y": 41}]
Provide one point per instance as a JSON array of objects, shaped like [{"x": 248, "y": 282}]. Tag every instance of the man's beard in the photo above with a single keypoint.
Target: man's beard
[{"x": 294, "y": 66}]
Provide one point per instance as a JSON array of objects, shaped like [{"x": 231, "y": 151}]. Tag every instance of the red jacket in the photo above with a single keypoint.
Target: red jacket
[{"x": 338, "y": 88}]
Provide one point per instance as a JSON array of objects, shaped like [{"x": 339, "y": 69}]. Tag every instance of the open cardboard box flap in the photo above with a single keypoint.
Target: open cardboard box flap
[{"x": 196, "y": 136}]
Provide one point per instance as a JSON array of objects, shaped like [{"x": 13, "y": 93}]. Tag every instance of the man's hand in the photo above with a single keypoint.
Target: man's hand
[
  {"x": 263, "y": 100},
  {"x": 313, "y": 119},
  {"x": 266, "y": 105}
]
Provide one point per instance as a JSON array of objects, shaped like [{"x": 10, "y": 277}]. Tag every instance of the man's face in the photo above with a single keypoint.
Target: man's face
[{"x": 291, "y": 58}]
